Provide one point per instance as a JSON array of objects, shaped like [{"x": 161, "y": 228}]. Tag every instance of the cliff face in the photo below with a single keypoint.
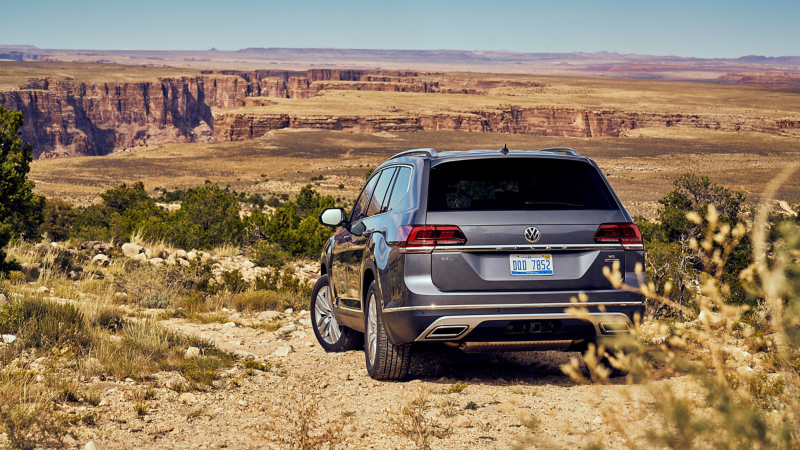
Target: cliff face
[
  {"x": 563, "y": 122},
  {"x": 69, "y": 117}
]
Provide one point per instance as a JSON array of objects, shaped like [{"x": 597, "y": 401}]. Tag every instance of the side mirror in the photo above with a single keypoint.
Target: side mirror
[{"x": 332, "y": 217}]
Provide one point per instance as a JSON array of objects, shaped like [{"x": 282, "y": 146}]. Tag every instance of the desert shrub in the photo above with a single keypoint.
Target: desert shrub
[
  {"x": 294, "y": 226},
  {"x": 124, "y": 210},
  {"x": 268, "y": 254},
  {"x": 297, "y": 421},
  {"x": 413, "y": 422},
  {"x": 21, "y": 211},
  {"x": 159, "y": 300},
  {"x": 59, "y": 216},
  {"x": 233, "y": 281},
  {"x": 111, "y": 319},
  {"x": 209, "y": 216},
  {"x": 267, "y": 300},
  {"x": 28, "y": 415},
  {"x": 44, "y": 324},
  {"x": 726, "y": 401}
]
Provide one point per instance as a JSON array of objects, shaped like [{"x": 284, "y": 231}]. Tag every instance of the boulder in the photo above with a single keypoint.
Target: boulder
[
  {"x": 181, "y": 254},
  {"x": 101, "y": 259},
  {"x": 140, "y": 257},
  {"x": 156, "y": 261},
  {"x": 131, "y": 250},
  {"x": 191, "y": 256}
]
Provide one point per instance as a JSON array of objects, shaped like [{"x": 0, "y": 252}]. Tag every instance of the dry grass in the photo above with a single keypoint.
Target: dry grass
[{"x": 414, "y": 421}]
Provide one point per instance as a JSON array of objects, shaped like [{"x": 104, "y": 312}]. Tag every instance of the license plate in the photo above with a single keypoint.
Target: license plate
[{"x": 531, "y": 264}]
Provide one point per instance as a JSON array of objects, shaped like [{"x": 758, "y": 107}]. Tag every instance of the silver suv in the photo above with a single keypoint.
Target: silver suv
[{"x": 479, "y": 250}]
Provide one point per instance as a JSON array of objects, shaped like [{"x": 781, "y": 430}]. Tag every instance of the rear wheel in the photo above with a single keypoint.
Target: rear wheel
[
  {"x": 331, "y": 336},
  {"x": 385, "y": 361}
]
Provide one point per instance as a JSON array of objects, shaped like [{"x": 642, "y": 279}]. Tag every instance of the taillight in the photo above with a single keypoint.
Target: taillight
[
  {"x": 627, "y": 234},
  {"x": 423, "y": 238}
]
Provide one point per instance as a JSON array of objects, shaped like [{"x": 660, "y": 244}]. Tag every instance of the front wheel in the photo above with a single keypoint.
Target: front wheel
[
  {"x": 331, "y": 336},
  {"x": 385, "y": 361}
]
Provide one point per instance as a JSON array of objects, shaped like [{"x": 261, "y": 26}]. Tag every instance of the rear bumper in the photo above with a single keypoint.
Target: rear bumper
[{"x": 499, "y": 319}]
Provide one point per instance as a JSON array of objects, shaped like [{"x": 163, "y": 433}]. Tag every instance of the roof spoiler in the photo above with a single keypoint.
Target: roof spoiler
[{"x": 431, "y": 152}]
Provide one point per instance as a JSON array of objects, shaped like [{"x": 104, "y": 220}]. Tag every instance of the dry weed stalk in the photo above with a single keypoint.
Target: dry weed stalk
[
  {"x": 725, "y": 404},
  {"x": 413, "y": 422},
  {"x": 297, "y": 421}
]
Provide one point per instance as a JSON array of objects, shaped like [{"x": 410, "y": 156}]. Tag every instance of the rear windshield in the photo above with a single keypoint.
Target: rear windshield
[{"x": 517, "y": 184}]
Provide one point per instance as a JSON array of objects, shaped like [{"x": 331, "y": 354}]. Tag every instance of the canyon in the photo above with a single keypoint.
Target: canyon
[{"x": 69, "y": 117}]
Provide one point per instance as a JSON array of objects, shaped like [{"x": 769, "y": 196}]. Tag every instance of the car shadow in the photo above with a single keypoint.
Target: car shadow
[{"x": 448, "y": 365}]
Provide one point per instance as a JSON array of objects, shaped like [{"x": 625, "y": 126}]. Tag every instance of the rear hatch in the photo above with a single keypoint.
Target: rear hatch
[{"x": 495, "y": 201}]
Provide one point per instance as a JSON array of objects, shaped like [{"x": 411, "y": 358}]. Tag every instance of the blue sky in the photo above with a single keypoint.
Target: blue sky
[{"x": 700, "y": 28}]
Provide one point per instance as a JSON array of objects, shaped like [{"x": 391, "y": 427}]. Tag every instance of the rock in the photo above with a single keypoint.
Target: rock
[
  {"x": 501, "y": 381},
  {"x": 2, "y": 299},
  {"x": 746, "y": 372},
  {"x": 346, "y": 376},
  {"x": 268, "y": 315},
  {"x": 131, "y": 250},
  {"x": 129, "y": 380},
  {"x": 597, "y": 420},
  {"x": 95, "y": 245},
  {"x": 148, "y": 253},
  {"x": 711, "y": 318},
  {"x": 463, "y": 422},
  {"x": 184, "y": 262},
  {"x": 244, "y": 355},
  {"x": 101, "y": 259},
  {"x": 191, "y": 256},
  {"x": 181, "y": 254},
  {"x": 306, "y": 322},
  {"x": 283, "y": 350},
  {"x": 287, "y": 329},
  {"x": 299, "y": 334},
  {"x": 69, "y": 441},
  {"x": 91, "y": 446},
  {"x": 9, "y": 338},
  {"x": 303, "y": 313},
  {"x": 187, "y": 397},
  {"x": 140, "y": 257},
  {"x": 44, "y": 289},
  {"x": 156, "y": 261},
  {"x": 192, "y": 352},
  {"x": 229, "y": 324},
  {"x": 288, "y": 311}
]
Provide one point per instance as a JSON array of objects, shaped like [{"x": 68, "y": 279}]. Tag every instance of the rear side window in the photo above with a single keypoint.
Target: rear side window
[
  {"x": 360, "y": 207},
  {"x": 400, "y": 188},
  {"x": 517, "y": 184},
  {"x": 380, "y": 191}
]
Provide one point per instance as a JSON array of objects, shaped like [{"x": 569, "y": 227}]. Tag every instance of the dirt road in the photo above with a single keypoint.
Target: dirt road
[{"x": 504, "y": 391}]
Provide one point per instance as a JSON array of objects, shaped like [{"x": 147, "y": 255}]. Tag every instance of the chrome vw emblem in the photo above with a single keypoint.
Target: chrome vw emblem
[{"x": 532, "y": 234}]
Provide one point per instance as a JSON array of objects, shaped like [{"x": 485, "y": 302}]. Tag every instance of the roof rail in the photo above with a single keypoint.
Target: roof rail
[
  {"x": 564, "y": 150},
  {"x": 431, "y": 152}
]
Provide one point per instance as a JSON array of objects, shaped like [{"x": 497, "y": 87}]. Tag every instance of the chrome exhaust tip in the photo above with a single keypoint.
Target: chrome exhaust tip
[
  {"x": 614, "y": 327},
  {"x": 447, "y": 332}
]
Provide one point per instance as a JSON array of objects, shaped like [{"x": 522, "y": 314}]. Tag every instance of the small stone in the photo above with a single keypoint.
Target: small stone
[
  {"x": 268, "y": 315},
  {"x": 44, "y": 289},
  {"x": 597, "y": 420},
  {"x": 91, "y": 446},
  {"x": 181, "y": 254},
  {"x": 2, "y": 299},
  {"x": 9, "y": 338},
  {"x": 463, "y": 422},
  {"x": 192, "y": 352},
  {"x": 710, "y": 318},
  {"x": 286, "y": 329},
  {"x": 156, "y": 261},
  {"x": 306, "y": 322},
  {"x": 346, "y": 376},
  {"x": 140, "y": 257},
  {"x": 746, "y": 372},
  {"x": 129, "y": 380},
  {"x": 501, "y": 381},
  {"x": 303, "y": 313},
  {"x": 229, "y": 324},
  {"x": 242, "y": 403},
  {"x": 299, "y": 335},
  {"x": 69, "y": 441},
  {"x": 188, "y": 397},
  {"x": 288, "y": 311},
  {"x": 283, "y": 350}
]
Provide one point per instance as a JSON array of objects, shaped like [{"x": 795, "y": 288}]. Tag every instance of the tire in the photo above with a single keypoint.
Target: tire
[
  {"x": 385, "y": 361},
  {"x": 330, "y": 335}
]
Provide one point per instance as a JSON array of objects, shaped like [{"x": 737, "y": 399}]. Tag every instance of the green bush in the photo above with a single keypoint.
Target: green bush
[
  {"x": 59, "y": 216},
  {"x": 124, "y": 211},
  {"x": 209, "y": 217},
  {"x": 44, "y": 324}
]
